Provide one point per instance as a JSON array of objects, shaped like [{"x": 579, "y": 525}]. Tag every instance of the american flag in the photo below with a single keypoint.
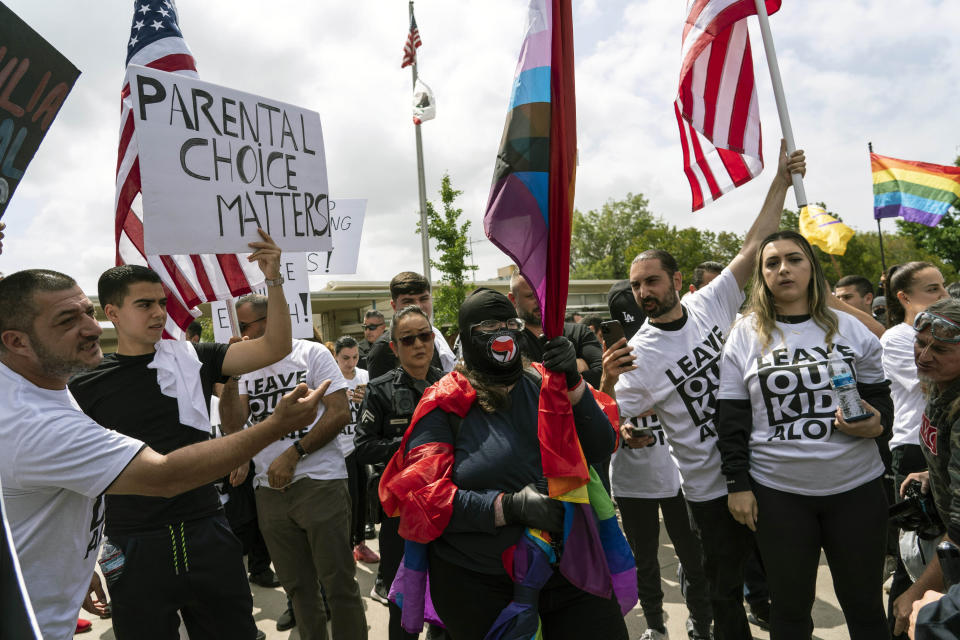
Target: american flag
[
  {"x": 157, "y": 42},
  {"x": 716, "y": 103},
  {"x": 413, "y": 42}
]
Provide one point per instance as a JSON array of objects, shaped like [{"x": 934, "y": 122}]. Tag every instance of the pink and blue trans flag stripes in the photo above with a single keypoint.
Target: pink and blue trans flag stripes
[{"x": 517, "y": 216}]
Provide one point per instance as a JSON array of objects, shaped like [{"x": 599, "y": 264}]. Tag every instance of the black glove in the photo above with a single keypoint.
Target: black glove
[
  {"x": 560, "y": 356},
  {"x": 531, "y": 508}
]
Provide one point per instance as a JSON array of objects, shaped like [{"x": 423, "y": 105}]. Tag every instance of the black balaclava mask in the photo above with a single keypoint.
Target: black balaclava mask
[{"x": 497, "y": 354}]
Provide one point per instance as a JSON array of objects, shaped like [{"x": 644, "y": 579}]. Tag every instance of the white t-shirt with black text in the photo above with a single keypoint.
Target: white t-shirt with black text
[
  {"x": 901, "y": 370},
  {"x": 55, "y": 464},
  {"x": 794, "y": 445},
  {"x": 678, "y": 374},
  {"x": 649, "y": 472},
  {"x": 308, "y": 362},
  {"x": 345, "y": 439}
]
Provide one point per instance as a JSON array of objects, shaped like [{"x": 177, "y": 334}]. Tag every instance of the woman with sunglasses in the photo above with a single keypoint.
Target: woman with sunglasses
[
  {"x": 797, "y": 473},
  {"x": 384, "y": 415},
  {"x": 937, "y": 355},
  {"x": 911, "y": 288},
  {"x": 476, "y": 483}
]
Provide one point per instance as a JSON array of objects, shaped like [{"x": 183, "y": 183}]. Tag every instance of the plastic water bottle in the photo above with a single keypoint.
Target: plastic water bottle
[
  {"x": 111, "y": 562},
  {"x": 844, "y": 385}
]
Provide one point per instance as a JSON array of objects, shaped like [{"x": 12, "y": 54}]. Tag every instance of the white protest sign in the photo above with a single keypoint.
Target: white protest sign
[
  {"x": 296, "y": 289},
  {"x": 346, "y": 220},
  {"x": 216, "y": 164}
]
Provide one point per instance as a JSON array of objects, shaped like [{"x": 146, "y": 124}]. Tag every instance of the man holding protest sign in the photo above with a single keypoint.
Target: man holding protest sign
[
  {"x": 179, "y": 552},
  {"x": 57, "y": 463}
]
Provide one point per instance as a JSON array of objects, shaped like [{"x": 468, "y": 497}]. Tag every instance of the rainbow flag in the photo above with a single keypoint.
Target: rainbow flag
[
  {"x": 917, "y": 191},
  {"x": 530, "y": 208}
]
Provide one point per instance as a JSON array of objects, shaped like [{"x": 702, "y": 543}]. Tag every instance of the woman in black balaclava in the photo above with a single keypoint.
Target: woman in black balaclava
[{"x": 498, "y": 477}]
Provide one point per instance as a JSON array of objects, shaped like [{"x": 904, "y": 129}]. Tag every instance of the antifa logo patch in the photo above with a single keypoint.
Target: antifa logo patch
[{"x": 503, "y": 349}]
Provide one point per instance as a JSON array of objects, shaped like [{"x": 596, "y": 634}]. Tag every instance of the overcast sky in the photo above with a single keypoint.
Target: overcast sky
[{"x": 854, "y": 71}]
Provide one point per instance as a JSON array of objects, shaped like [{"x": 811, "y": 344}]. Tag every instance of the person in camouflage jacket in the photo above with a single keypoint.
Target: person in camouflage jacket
[{"x": 937, "y": 353}]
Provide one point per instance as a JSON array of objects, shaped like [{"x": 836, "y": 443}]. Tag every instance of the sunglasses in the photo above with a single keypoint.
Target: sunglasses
[
  {"x": 371, "y": 327},
  {"x": 246, "y": 325},
  {"x": 490, "y": 326},
  {"x": 425, "y": 337},
  {"x": 941, "y": 328}
]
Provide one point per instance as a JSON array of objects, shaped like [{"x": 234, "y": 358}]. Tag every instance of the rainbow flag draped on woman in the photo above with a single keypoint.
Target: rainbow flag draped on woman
[
  {"x": 916, "y": 191},
  {"x": 528, "y": 216}
]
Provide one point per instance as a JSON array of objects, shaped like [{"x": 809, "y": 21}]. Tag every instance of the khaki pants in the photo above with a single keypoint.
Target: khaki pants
[{"x": 307, "y": 530}]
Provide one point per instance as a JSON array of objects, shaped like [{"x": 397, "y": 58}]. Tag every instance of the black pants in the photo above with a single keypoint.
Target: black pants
[
  {"x": 906, "y": 459},
  {"x": 254, "y": 547},
  {"x": 469, "y": 602},
  {"x": 726, "y": 545},
  {"x": 391, "y": 552},
  {"x": 195, "y": 568},
  {"x": 357, "y": 483},
  {"x": 641, "y": 525},
  {"x": 851, "y": 528}
]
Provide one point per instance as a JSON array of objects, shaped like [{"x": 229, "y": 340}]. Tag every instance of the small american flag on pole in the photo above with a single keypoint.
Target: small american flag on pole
[
  {"x": 412, "y": 44},
  {"x": 716, "y": 105},
  {"x": 188, "y": 280}
]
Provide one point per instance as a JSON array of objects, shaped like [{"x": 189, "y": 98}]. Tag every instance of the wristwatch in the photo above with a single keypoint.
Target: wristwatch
[
  {"x": 274, "y": 283},
  {"x": 300, "y": 450}
]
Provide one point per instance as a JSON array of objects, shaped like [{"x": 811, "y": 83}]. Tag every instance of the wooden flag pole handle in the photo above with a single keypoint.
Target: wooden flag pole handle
[
  {"x": 232, "y": 317},
  {"x": 778, "y": 95}
]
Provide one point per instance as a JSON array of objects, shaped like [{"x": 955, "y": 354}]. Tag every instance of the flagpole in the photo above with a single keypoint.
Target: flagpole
[
  {"x": 778, "y": 95},
  {"x": 883, "y": 260},
  {"x": 421, "y": 181}
]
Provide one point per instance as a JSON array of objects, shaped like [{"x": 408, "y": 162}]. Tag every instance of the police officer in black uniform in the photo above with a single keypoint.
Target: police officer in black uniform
[{"x": 385, "y": 413}]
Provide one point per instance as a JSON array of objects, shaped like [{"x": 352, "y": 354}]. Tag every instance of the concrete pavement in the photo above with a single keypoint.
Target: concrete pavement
[{"x": 268, "y": 604}]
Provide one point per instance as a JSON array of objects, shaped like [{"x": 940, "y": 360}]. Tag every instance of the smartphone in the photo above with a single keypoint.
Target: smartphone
[
  {"x": 612, "y": 331},
  {"x": 640, "y": 432}
]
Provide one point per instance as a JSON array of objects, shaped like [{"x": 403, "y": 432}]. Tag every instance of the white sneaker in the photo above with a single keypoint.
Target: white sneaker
[{"x": 653, "y": 634}]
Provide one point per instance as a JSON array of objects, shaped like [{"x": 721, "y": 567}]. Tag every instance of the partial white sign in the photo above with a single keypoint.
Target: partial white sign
[
  {"x": 346, "y": 221},
  {"x": 296, "y": 288},
  {"x": 216, "y": 164}
]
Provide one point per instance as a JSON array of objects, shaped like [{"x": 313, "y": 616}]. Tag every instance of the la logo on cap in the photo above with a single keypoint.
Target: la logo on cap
[{"x": 503, "y": 348}]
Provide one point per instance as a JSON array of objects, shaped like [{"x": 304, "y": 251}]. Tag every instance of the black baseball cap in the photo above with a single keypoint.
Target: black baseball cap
[{"x": 623, "y": 307}]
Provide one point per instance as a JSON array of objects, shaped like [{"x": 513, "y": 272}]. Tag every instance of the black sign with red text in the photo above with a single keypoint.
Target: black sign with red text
[{"x": 35, "y": 79}]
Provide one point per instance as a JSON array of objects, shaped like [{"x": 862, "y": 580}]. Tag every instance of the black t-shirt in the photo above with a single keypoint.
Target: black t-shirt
[{"x": 123, "y": 394}]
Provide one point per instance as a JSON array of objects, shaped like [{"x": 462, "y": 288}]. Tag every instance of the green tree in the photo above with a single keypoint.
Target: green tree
[
  {"x": 450, "y": 237},
  {"x": 689, "y": 246},
  {"x": 862, "y": 256},
  {"x": 604, "y": 242},
  {"x": 600, "y": 238}
]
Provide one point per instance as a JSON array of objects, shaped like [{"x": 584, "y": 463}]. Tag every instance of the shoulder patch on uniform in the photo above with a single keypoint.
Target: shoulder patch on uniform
[{"x": 367, "y": 416}]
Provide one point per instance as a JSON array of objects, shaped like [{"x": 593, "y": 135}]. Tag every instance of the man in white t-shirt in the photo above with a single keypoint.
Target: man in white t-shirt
[
  {"x": 56, "y": 463},
  {"x": 677, "y": 353},
  {"x": 303, "y": 504}
]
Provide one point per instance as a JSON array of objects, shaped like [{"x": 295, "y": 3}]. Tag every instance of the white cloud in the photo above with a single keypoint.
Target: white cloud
[{"x": 852, "y": 75}]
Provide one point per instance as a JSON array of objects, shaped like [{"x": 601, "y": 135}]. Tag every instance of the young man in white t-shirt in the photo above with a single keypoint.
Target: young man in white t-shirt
[
  {"x": 56, "y": 463},
  {"x": 677, "y": 352},
  {"x": 347, "y": 352},
  {"x": 303, "y": 504}
]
